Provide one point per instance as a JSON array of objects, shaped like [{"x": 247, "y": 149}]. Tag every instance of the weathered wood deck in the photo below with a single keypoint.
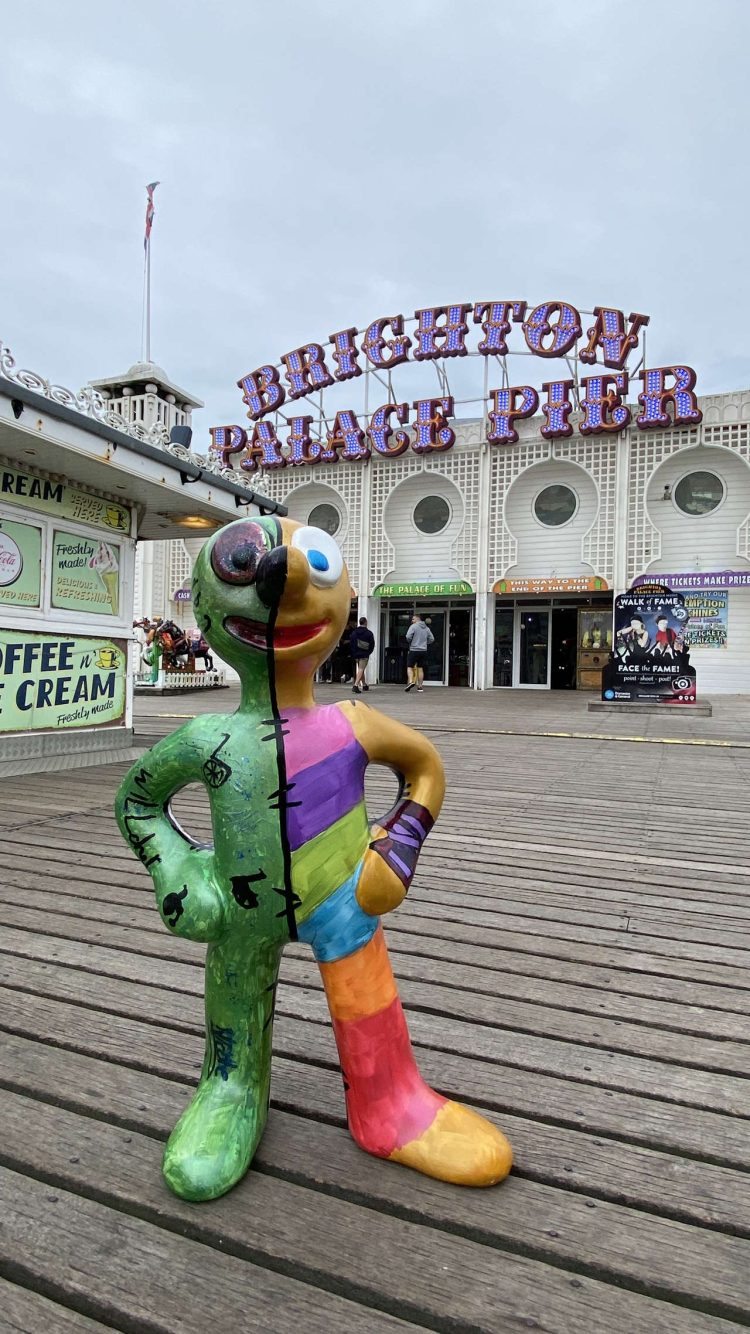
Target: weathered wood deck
[{"x": 575, "y": 960}]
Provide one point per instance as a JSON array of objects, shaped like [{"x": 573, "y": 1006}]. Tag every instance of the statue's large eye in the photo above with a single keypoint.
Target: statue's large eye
[
  {"x": 323, "y": 555},
  {"x": 236, "y": 552}
]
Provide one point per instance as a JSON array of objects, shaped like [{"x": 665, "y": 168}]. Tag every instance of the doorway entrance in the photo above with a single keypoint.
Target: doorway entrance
[
  {"x": 449, "y": 657},
  {"x": 564, "y": 648}
]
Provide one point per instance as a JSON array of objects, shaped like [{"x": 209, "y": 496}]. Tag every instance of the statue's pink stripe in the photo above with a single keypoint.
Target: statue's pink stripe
[
  {"x": 312, "y": 735},
  {"x": 388, "y": 1102}
]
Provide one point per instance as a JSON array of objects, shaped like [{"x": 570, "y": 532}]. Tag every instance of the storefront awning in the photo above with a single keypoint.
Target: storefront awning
[{"x": 445, "y": 588}]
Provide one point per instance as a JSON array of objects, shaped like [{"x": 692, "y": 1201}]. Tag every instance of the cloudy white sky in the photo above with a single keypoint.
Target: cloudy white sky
[{"x": 324, "y": 164}]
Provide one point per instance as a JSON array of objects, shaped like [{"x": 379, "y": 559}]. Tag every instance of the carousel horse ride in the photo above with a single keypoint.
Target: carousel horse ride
[{"x": 294, "y": 858}]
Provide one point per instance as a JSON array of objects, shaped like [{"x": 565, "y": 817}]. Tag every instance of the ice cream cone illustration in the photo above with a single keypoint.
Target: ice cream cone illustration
[{"x": 105, "y": 564}]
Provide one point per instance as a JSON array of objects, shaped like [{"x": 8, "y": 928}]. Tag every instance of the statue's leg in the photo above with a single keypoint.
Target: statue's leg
[
  {"x": 212, "y": 1145},
  {"x": 392, "y": 1112}
]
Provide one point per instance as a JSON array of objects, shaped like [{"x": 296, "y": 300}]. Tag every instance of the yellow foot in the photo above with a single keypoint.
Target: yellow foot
[{"x": 460, "y": 1146}]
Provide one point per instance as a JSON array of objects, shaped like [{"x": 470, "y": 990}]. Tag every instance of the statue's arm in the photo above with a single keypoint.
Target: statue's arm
[
  {"x": 188, "y": 894},
  {"x": 391, "y": 859}
]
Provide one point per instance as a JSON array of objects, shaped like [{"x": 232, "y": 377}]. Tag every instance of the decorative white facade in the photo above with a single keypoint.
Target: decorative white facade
[{"x": 626, "y": 522}]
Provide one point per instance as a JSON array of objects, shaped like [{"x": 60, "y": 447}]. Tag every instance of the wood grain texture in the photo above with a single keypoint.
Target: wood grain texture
[{"x": 569, "y": 966}]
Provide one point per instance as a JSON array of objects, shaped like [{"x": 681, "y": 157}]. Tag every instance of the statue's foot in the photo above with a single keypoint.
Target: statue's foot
[
  {"x": 213, "y": 1143},
  {"x": 459, "y": 1146}
]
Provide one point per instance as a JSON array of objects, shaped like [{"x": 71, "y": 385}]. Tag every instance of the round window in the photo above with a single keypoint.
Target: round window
[
  {"x": 555, "y": 505},
  {"x": 325, "y": 516},
  {"x": 432, "y": 514},
  {"x": 699, "y": 493}
]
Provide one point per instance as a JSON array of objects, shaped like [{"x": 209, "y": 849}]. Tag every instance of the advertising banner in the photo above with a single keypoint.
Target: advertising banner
[
  {"x": 683, "y": 583},
  {"x": 708, "y": 613},
  {"x": 575, "y": 584},
  {"x": 85, "y": 574},
  {"x": 445, "y": 588},
  {"x": 20, "y": 564},
  {"x": 650, "y": 660},
  {"x": 51, "y": 682},
  {"x": 65, "y": 502}
]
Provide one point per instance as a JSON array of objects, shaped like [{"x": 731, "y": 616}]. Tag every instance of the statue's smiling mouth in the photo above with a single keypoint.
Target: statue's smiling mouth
[{"x": 256, "y": 633}]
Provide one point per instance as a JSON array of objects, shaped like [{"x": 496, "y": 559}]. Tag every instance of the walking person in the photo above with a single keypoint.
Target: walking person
[
  {"x": 362, "y": 644},
  {"x": 419, "y": 637}
]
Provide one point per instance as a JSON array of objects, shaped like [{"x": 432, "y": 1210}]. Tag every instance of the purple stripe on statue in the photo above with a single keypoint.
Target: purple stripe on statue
[
  {"x": 396, "y": 861},
  {"x": 326, "y": 791},
  {"x": 409, "y": 819},
  {"x": 408, "y": 840}
]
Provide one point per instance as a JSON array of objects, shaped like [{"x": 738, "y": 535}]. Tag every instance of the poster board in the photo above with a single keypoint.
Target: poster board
[{"x": 650, "y": 660}]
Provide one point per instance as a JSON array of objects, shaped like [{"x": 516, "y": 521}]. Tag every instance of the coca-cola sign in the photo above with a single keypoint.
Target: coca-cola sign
[{"x": 11, "y": 560}]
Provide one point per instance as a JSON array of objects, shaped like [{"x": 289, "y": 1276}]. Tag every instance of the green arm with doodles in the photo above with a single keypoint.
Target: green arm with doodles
[{"x": 188, "y": 893}]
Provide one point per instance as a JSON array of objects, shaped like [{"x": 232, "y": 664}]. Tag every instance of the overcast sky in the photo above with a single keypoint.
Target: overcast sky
[{"x": 323, "y": 164}]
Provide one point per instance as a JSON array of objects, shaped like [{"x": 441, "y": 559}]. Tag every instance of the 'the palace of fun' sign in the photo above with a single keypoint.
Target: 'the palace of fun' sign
[{"x": 551, "y": 330}]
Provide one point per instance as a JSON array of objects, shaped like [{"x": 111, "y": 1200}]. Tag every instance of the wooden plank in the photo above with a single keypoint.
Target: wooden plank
[
  {"x": 723, "y": 1139},
  {"x": 127, "y": 1270},
  {"x": 126, "y": 996},
  {"x": 299, "y": 969},
  {"x": 25, "y": 1312},
  {"x": 401, "y": 1264},
  {"x": 686, "y": 1190}
]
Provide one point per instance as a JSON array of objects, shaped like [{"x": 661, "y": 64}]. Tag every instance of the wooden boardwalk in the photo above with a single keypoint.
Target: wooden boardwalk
[{"x": 575, "y": 960}]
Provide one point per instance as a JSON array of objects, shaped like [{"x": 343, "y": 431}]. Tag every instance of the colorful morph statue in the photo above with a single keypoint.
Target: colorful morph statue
[{"x": 293, "y": 858}]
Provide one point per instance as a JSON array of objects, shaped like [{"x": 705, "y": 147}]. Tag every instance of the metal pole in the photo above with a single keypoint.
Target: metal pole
[{"x": 148, "y": 299}]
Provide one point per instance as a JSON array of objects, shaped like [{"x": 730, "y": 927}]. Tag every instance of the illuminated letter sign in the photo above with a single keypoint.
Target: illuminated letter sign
[
  {"x": 493, "y": 317},
  {"x": 550, "y": 330},
  {"x": 539, "y": 326},
  {"x": 506, "y": 409},
  {"x": 261, "y": 391},
  {"x": 609, "y": 334},
  {"x": 374, "y": 343},
  {"x": 432, "y": 432},
  {"x": 441, "y": 339},
  {"x": 656, "y": 395},
  {"x": 380, "y": 430},
  {"x": 603, "y": 407}
]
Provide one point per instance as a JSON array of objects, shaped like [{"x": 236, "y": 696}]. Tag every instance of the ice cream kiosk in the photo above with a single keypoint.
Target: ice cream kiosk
[{"x": 81, "y": 480}]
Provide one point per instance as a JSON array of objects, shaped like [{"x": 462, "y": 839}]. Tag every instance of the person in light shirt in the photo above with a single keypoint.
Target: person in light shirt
[{"x": 419, "y": 637}]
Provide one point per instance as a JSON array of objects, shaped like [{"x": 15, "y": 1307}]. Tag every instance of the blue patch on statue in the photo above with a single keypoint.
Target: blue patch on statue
[{"x": 317, "y": 560}]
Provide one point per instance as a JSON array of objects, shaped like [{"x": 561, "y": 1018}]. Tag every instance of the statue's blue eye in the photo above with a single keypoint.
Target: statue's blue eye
[{"x": 318, "y": 560}]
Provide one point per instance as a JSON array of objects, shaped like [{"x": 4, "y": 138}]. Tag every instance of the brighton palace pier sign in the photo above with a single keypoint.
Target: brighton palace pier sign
[{"x": 552, "y": 330}]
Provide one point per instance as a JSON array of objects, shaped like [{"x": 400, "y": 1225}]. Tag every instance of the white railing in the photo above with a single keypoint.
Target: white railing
[
  {"x": 180, "y": 680},
  {"x": 90, "y": 403}
]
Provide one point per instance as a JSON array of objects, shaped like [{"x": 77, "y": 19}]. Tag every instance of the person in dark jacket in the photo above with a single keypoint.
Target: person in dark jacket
[{"x": 361, "y": 644}]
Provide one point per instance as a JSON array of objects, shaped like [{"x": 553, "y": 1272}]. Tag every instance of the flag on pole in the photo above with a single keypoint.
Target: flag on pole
[{"x": 149, "y": 212}]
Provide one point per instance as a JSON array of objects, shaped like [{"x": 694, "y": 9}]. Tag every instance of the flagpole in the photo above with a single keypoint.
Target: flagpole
[{"x": 148, "y": 300}]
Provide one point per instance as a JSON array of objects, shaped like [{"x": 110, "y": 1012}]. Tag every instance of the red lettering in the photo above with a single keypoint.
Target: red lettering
[
  {"x": 302, "y": 447},
  {"x": 432, "y": 433},
  {"x": 602, "y": 404},
  {"x": 375, "y": 344},
  {"x": 263, "y": 449},
  {"x": 656, "y": 395},
  {"x": 380, "y": 430},
  {"x": 261, "y": 391},
  {"x": 557, "y": 409},
  {"x": 493, "y": 317},
  {"x": 441, "y": 332},
  {"x": 226, "y": 441},
  {"x": 610, "y": 335},
  {"x": 509, "y": 406},
  {"x": 346, "y": 437},
  {"x": 345, "y": 355},
  {"x": 306, "y": 370},
  {"x": 540, "y": 325}
]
